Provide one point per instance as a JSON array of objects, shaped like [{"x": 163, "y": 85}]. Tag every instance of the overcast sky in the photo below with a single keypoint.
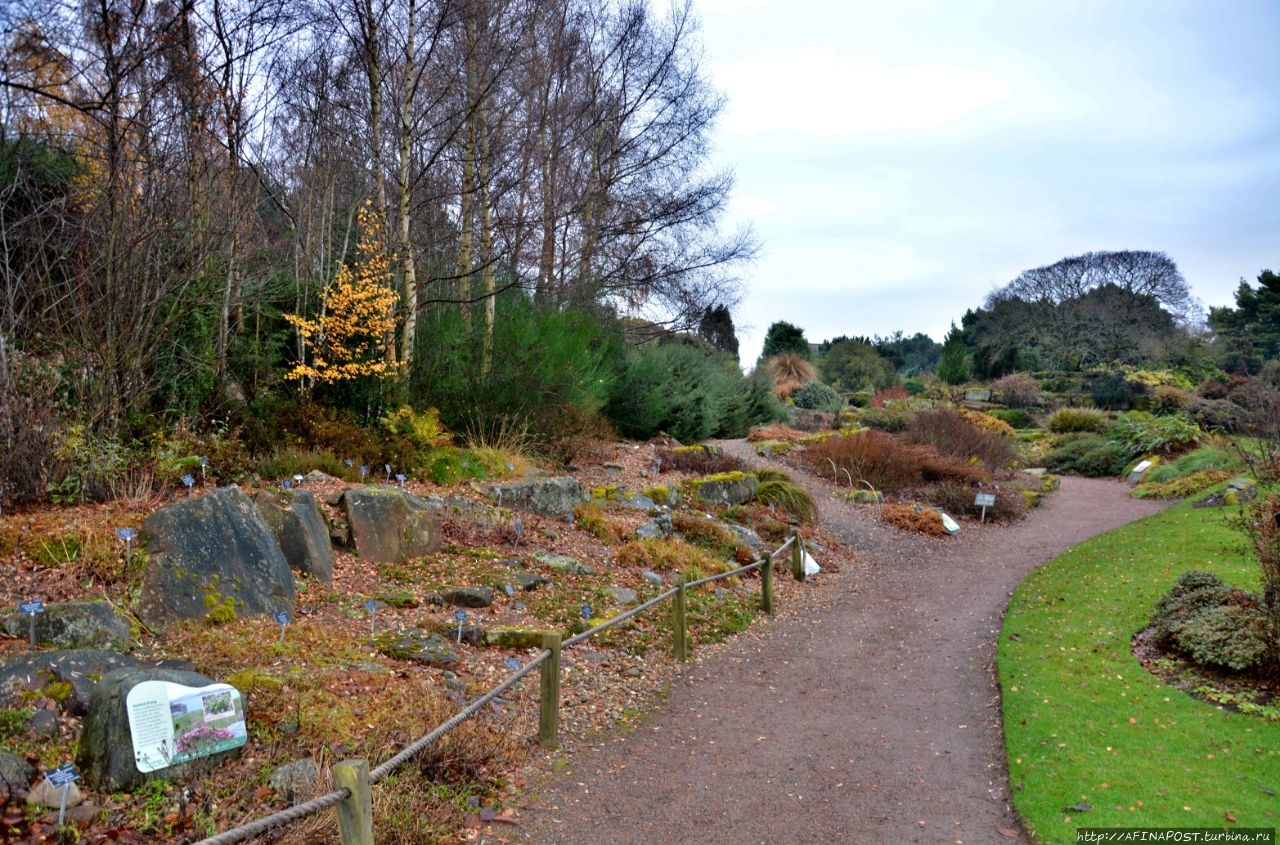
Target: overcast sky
[{"x": 901, "y": 159}]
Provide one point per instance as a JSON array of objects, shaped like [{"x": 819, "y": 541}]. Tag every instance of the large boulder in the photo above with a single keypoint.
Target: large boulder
[
  {"x": 66, "y": 676},
  {"x": 295, "y": 519},
  {"x": 76, "y": 624},
  {"x": 211, "y": 552},
  {"x": 105, "y": 755},
  {"x": 730, "y": 488},
  {"x": 389, "y": 525},
  {"x": 546, "y": 496}
]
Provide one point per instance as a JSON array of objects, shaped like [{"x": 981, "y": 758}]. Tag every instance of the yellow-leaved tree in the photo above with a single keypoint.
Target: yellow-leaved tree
[{"x": 353, "y": 336}]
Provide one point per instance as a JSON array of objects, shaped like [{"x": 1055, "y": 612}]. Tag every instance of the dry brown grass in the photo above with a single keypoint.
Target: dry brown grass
[
  {"x": 953, "y": 435},
  {"x": 776, "y": 432},
  {"x": 790, "y": 372}
]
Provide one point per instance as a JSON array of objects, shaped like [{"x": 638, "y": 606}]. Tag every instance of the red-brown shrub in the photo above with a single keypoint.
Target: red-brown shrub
[
  {"x": 888, "y": 464},
  {"x": 896, "y": 393},
  {"x": 952, "y": 435}
]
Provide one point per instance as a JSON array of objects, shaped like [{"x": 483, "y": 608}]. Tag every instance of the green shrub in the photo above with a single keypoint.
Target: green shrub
[
  {"x": 817, "y": 396},
  {"x": 1219, "y": 415},
  {"x": 688, "y": 392},
  {"x": 1087, "y": 454},
  {"x": 1016, "y": 417},
  {"x": 914, "y": 385},
  {"x": 1181, "y": 487},
  {"x": 541, "y": 361},
  {"x": 1113, "y": 393},
  {"x": 1169, "y": 400},
  {"x": 894, "y": 418},
  {"x": 1141, "y": 433},
  {"x": 1234, "y": 635},
  {"x": 448, "y": 465},
  {"x": 1071, "y": 420},
  {"x": 1194, "y": 590}
]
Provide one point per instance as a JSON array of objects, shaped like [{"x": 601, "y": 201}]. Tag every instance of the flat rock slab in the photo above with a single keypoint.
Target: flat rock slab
[
  {"x": 78, "y": 624},
  {"x": 417, "y": 646},
  {"x": 295, "y": 519},
  {"x": 546, "y": 496},
  {"x": 34, "y": 673},
  {"x": 468, "y": 596}
]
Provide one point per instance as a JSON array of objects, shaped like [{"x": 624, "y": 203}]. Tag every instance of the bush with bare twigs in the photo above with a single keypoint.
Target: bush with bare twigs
[
  {"x": 887, "y": 464},
  {"x": 953, "y": 435}
]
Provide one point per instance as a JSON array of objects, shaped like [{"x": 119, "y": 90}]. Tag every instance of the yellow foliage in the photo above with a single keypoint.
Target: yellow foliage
[
  {"x": 353, "y": 336},
  {"x": 986, "y": 422}
]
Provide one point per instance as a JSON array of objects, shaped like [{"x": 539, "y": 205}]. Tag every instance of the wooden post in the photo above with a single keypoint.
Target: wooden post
[
  {"x": 766, "y": 585},
  {"x": 355, "y": 814},
  {"x": 549, "y": 689},
  {"x": 797, "y": 555},
  {"x": 679, "y": 629}
]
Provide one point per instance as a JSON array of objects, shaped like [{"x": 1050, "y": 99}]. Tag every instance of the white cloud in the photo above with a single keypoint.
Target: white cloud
[{"x": 817, "y": 91}]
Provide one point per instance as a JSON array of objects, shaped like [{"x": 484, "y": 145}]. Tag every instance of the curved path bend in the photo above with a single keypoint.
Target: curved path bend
[{"x": 871, "y": 717}]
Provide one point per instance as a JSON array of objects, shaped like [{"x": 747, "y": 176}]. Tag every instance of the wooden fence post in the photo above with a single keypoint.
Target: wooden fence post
[
  {"x": 549, "y": 689},
  {"x": 355, "y": 814},
  {"x": 679, "y": 629},
  {"x": 766, "y": 585},
  {"x": 797, "y": 555}
]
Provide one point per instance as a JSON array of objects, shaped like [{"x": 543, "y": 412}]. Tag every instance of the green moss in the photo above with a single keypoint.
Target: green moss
[
  {"x": 1031, "y": 498},
  {"x": 695, "y": 483},
  {"x": 607, "y": 492},
  {"x": 659, "y": 495},
  {"x": 58, "y": 690},
  {"x": 222, "y": 609},
  {"x": 398, "y": 598},
  {"x": 248, "y": 680}
]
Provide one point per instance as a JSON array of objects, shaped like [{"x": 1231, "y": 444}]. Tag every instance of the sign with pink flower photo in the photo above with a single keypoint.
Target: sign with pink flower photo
[{"x": 172, "y": 724}]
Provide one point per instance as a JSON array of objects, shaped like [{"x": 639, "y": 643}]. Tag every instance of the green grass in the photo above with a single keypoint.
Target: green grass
[{"x": 1085, "y": 723}]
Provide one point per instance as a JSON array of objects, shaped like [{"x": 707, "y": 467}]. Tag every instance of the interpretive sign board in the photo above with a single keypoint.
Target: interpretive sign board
[
  {"x": 172, "y": 723},
  {"x": 985, "y": 500}
]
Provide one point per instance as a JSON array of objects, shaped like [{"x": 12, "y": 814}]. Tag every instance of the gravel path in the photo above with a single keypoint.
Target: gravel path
[{"x": 869, "y": 717}]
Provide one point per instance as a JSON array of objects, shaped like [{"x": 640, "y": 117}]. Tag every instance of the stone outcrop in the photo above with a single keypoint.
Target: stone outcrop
[
  {"x": 208, "y": 552},
  {"x": 295, "y": 519},
  {"x": 79, "y": 624},
  {"x": 105, "y": 755},
  {"x": 546, "y": 496},
  {"x": 389, "y": 525}
]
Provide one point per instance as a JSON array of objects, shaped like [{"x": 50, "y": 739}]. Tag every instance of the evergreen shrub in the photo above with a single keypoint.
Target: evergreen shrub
[{"x": 817, "y": 396}]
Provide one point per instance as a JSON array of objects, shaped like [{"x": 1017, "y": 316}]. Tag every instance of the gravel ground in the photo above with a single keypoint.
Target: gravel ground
[{"x": 870, "y": 714}]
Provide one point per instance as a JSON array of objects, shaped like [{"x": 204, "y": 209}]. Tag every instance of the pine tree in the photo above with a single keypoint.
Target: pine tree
[{"x": 952, "y": 366}]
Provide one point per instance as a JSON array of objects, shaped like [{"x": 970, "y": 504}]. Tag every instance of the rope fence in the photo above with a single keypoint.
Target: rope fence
[{"x": 353, "y": 798}]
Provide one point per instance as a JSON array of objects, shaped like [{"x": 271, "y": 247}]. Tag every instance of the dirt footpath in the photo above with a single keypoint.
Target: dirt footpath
[{"x": 871, "y": 718}]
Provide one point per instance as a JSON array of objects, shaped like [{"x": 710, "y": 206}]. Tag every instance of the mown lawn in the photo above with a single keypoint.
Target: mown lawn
[{"x": 1086, "y": 725}]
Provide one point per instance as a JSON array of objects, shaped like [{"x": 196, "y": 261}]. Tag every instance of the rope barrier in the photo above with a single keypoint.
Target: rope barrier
[{"x": 260, "y": 826}]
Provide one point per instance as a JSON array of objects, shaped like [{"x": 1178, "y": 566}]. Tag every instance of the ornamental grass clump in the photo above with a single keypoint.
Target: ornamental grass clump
[
  {"x": 1072, "y": 420},
  {"x": 778, "y": 490}
]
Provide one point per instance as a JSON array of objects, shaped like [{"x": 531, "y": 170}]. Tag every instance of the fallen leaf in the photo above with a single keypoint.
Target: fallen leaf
[
  {"x": 1007, "y": 833},
  {"x": 1082, "y": 807},
  {"x": 1227, "y": 815}
]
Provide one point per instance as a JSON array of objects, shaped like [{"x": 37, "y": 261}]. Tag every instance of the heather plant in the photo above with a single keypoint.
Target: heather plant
[{"x": 951, "y": 434}]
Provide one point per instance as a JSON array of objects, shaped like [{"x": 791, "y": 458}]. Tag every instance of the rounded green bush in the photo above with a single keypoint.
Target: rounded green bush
[
  {"x": 1069, "y": 420},
  {"x": 1229, "y": 636},
  {"x": 817, "y": 396}
]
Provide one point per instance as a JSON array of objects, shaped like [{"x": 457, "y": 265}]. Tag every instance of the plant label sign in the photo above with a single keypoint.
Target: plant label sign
[
  {"x": 172, "y": 723},
  {"x": 985, "y": 500},
  {"x": 31, "y": 607},
  {"x": 64, "y": 774}
]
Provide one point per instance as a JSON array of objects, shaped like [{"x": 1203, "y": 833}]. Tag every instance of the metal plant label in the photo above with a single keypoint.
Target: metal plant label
[{"x": 172, "y": 724}]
